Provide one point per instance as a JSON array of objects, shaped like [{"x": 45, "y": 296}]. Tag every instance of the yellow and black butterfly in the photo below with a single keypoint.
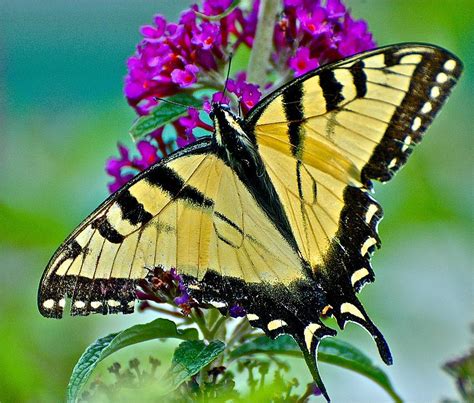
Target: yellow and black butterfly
[{"x": 273, "y": 212}]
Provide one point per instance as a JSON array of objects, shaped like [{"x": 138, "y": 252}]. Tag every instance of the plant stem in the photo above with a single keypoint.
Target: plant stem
[
  {"x": 166, "y": 312},
  {"x": 242, "y": 328},
  {"x": 217, "y": 325},
  {"x": 263, "y": 42},
  {"x": 201, "y": 322}
]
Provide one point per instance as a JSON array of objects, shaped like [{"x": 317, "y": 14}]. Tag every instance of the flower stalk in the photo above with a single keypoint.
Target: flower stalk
[{"x": 263, "y": 44}]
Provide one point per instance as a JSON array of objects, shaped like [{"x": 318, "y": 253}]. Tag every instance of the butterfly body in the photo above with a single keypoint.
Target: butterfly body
[{"x": 274, "y": 211}]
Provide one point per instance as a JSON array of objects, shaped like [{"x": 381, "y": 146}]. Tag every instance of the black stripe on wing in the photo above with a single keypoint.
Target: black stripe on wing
[
  {"x": 332, "y": 89},
  {"x": 106, "y": 229},
  {"x": 132, "y": 209},
  {"x": 430, "y": 85},
  {"x": 294, "y": 113},
  {"x": 92, "y": 295},
  {"x": 170, "y": 181},
  {"x": 359, "y": 78}
]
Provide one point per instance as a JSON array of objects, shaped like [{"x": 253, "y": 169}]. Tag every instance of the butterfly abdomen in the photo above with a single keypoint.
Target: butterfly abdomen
[{"x": 235, "y": 145}]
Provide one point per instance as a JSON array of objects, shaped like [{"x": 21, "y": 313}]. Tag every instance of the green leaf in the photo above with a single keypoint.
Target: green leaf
[
  {"x": 189, "y": 358},
  {"x": 331, "y": 351},
  {"x": 103, "y": 347},
  {"x": 164, "y": 113},
  {"x": 282, "y": 345}
]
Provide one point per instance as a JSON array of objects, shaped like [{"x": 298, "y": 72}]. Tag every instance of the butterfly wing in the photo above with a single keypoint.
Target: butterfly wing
[
  {"x": 189, "y": 212},
  {"x": 324, "y": 136}
]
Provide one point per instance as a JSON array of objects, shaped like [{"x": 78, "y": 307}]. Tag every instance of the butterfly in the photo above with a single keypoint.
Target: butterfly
[{"x": 274, "y": 211}]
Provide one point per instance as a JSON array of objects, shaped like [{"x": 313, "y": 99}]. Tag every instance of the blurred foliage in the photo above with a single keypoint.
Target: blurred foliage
[
  {"x": 462, "y": 371},
  {"x": 204, "y": 371},
  {"x": 105, "y": 346},
  {"x": 61, "y": 114}
]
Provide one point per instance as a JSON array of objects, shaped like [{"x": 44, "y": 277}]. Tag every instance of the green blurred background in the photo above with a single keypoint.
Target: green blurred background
[{"x": 61, "y": 113}]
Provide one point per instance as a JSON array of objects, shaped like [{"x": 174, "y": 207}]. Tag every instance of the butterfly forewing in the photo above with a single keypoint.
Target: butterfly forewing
[{"x": 191, "y": 213}]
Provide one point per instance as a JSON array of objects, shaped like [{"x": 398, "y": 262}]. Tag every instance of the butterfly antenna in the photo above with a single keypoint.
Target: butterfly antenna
[
  {"x": 227, "y": 77},
  {"x": 176, "y": 103}
]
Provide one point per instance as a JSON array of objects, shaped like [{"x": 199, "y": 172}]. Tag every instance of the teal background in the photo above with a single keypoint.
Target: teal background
[{"x": 61, "y": 113}]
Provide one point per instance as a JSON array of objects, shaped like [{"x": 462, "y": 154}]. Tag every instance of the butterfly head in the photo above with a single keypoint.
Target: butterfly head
[{"x": 227, "y": 125}]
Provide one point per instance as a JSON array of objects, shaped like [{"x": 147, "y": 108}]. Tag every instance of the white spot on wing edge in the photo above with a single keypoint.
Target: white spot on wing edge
[
  {"x": 370, "y": 241},
  {"x": 79, "y": 304},
  {"x": 347, "y": 307},
  {"x": 113, "y": 303},
  {"x": 373, "y": 208},
  {"x": 416, "y": 124},
  {"x": 49, "y": 304},
  {"x": 450, "y": 65},
  {"x": 426, "y": 107},
  {"x": 96, "y": 304},
  {"x": 131, "y": 304},
  {"x": 217, "y": 304},
  {"x": 406, "y": 143},
  {"x": 358, "y": 275},
  {"x": 309, "y": 334},
  {"x": 275, "y": 324},
  {"x": 441, "y": 78},
  {"x": 62, "y": 302},
  {"x": 252, "y": 316},
  {"x": 435, "y": 92},
  {"x": 392, "y": 163}
]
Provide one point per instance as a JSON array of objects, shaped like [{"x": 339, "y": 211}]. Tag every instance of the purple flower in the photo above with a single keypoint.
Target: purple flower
[
  {"x": 248, "y": 94},
  {"x": 207, "y": 36},
  {"x": 335, "y": 8},
  {"x": 191, "y": 121},
  {"x": 217, "y": 98},
  {"x": 236, "y": 311},
  {"x": 313, "y": 21},
  {"x": 123, "y": 169},
  {"x": 114, "y": 165},
  {"x": 185, "y": 78},
  {"x": 315, "y": 390},
  {"x": 184, "y": 297},
  {"x": 148, "y": 154},
  {"x": 114, "y": 168},
  {"x": 215, "y": 7},
  {"x": 152, "y": 33},
  {"x": 301, "y": 62}
]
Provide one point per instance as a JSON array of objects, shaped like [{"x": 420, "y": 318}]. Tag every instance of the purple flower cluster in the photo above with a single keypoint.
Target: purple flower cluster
[
  {"x": 310, "y": 33},
  {"x": 190, "y": 54},
  {"x": 193, "y": 55},
  {"x": 123, "y": 169},
  {"x": 161, "y": 286}
]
